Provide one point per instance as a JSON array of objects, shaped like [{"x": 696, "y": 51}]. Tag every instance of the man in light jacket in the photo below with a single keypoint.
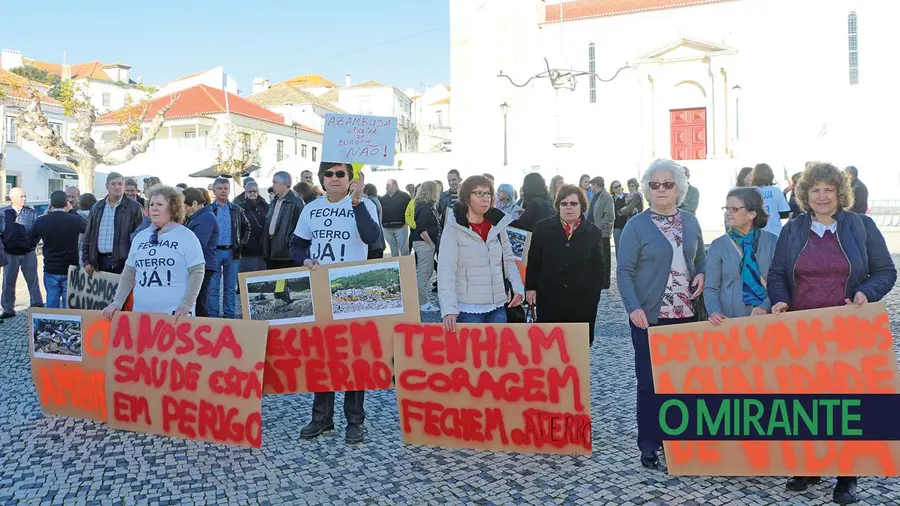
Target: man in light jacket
[{"x": 603, "y": 214}]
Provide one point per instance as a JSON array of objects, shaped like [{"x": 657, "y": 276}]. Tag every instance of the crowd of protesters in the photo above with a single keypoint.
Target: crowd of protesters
[{"x": 807, "y": 247}]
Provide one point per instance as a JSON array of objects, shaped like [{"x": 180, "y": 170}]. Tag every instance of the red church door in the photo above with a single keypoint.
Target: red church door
[{"x": 688, "y": 128}]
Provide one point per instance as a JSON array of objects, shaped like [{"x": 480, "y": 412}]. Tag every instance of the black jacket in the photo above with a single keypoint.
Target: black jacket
[
  {"x": 256, "y": 211},
  {"x": 393, "y": 209},
  {"x": 860, "y": 197},
  {"x": 566, "y": 273},
  {"x": 536, "y": 209},
  {"x": 17, "y": 230},
  {"x": 59, "y": 230},
  {"x": 240, "y": 228},
  {"x": 129, "y": 215},
  {"x": 278, "y": 246},
  {"x": 447, "y": 200}
]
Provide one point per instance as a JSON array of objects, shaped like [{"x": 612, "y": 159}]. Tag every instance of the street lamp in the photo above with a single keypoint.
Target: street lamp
[
  {"x": 737, "y": 110},
  {"x": 504, "y": 108}
]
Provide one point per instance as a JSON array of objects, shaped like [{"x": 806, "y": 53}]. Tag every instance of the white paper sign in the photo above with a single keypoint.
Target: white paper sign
[{"x": 354, "y": 138}]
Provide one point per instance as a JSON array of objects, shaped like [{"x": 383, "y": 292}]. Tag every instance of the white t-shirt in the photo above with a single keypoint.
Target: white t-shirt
[
  {"x": 331, "y": 227},
  {"x": 775, "y": 203},
  {"x": 161, "y": 271}
]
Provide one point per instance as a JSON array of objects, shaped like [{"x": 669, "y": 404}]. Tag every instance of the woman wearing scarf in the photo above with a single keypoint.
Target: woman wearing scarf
[{"x": 737, "y": 263}]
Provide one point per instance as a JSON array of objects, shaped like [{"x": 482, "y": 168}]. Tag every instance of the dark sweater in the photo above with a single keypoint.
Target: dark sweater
[
  {"x": 393, "y": 209},
  {"x": 59, "y": 230},
  {"x": 426, "y": 221},
  {"x": 822, "y": 271},
  {"x": 204, "y": 225}
]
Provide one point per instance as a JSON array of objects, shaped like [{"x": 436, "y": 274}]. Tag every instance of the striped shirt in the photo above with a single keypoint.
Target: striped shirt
[{"x": 107, "y": 232}]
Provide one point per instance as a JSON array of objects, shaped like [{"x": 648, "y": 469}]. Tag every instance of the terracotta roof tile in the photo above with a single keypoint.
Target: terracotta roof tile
[
  {"x": 93, "y": 70},
  {"x": 443, "y": 101},
  {"x": 197, "y": 101},
  {"x": 282, "y": 93},
  {"x": 311, "y": 81},
  {"x": 585, "y": 9},
  {"x": 16, "y": 86}
]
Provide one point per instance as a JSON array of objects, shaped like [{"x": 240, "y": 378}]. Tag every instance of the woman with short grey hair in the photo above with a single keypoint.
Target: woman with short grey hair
[{"x": 662, "y": 253}]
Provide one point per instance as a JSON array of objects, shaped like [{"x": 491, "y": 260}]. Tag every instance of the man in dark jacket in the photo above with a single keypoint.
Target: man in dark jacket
[
  {"x": 256, "y": 209},
  {"x": 18, "y": 220},
  {"x": 449, "y": 197},
  {"x": 280, "y": 223},
  {"x": 860, "y": 192},
  {"x": 234, "y": 232},
  {"x": 201, "y": 221},
  {"x": 59, "y": 230},
  {"x": 107, "y": 238},
  {"x": 393, "y": 218}
]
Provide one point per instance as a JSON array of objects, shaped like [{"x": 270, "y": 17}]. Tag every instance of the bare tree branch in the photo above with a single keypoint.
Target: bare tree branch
[
  {"x": 140, "y": 141},
  {"x": 33, "y": 125}
]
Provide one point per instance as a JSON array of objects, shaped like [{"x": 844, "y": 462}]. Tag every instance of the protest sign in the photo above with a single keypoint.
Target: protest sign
[
  {"x": 520, "y": 242},
  {"x": 838, "y": 350},
  {"x": 331, "y": 329},
  {"x": 503, "y": 387},
  {"x": 194, "y": 378},
  {"x": 68, "y": 361},
  {"x": 90, "y": 291},
  {"x": 357, "y": 138}
]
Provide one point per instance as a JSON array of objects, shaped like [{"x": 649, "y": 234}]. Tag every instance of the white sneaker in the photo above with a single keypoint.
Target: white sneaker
[{"x": 429, "y": 307}]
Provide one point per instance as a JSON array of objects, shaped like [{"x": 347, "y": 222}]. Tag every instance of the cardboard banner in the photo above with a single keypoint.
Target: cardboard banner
[
  {"x": 356, "y": 138},
  {"x": 68, "y": 361},
  {"x": 836, "y": 350},
  {"x": 520, "y": 241},
  {"x": 90, "y": 291},
  {"x": 331, "y": 329},
  {"x": 509, "y": 387},
  {"x": 197, "y": 378}
]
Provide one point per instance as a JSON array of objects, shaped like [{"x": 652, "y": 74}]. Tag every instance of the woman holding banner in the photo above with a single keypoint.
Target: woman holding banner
[
  {"x": 660, "y": 272},
  {"x": 563, "y": 276},
  {"x": 165, "y": 265},
  {"x": 828, "y": 257},
  {"x": 476, "y": 260},
  {"x": 737, "y": 263}
]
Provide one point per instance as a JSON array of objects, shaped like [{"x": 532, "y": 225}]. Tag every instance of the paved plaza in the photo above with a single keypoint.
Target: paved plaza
[{"x": 57, "y": 460}]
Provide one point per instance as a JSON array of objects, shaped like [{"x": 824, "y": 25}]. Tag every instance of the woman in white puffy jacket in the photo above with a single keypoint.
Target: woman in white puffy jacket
[{"x": 475, "y": 254}]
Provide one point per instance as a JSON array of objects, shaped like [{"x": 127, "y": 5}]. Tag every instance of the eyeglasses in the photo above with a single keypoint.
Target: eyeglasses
[
  {"x": 337, "y": 173},
  {"x": 481, "y": 194},
  {"x": 732, "y": 210},
  {"x": 668, "y": 185},
  {"x": 566, "y": 203}
]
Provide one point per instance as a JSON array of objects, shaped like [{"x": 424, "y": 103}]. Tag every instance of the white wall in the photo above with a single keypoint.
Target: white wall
[
  {"x": 214, "y": 78},
  {"x": 93, "y": 91}
]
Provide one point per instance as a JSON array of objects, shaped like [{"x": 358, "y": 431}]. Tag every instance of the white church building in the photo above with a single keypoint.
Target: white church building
[{"x": 716, "y": 84}]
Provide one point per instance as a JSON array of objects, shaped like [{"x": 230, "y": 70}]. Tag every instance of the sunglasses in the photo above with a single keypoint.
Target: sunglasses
[
  {"x": 668, "y": 185},
  {"x": 616, "y": 186},
  {"x": 567, "y": 204},
  {"x": 330, "y": 173},
  {"x": 732, "y": 210}
]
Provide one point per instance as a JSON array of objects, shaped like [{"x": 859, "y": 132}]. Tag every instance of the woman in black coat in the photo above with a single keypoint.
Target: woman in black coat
[
  {"x": 563, "y": 276},
  {"x": 536, "y": 202}
]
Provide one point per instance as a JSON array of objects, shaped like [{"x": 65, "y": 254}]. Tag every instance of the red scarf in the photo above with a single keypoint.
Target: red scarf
[{"x": 570, "y": 230}]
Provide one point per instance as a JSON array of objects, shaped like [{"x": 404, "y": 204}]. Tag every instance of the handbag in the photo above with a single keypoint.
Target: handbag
[{"x": 513, "y": 314}]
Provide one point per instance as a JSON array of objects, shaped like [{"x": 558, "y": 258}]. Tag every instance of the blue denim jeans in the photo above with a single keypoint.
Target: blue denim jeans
[
  {"x": 227, "y": 269},
  {"x": 496, "y": 316},
  {"x": 55, "y": 286}
]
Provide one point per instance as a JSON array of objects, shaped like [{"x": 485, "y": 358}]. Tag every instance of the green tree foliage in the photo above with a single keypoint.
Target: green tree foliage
[
  {"x": 295, "y": 285},
  {"x": 35, "y": 74},
  {"x": 385, "y": 278}
]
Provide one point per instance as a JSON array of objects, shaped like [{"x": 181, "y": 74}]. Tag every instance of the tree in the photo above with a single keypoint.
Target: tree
[
  {"x": 131, "y": 141},
  {"x": 236, "y": 147}
]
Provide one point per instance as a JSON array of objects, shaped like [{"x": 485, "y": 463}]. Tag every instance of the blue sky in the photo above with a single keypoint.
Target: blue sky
[{"x": 167, "y": 39}]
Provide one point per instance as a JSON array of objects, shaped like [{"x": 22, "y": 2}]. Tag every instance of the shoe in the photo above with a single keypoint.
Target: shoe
[
  {"x": 845, "y": 491},
  {"x": 6, "y": 315},
  {"x": 650, "y": 460},
  {"x": 354, "y": 433},
  {"x": 315, "y": 429},
  {"x": 801, "y": 483},
  {"x": 429, "y": 307}
]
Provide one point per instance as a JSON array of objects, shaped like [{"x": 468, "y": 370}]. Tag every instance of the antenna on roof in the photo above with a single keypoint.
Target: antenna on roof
[{"x": 225, "y": 90}]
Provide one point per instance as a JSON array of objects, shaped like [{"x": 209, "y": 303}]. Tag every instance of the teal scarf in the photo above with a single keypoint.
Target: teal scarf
[{"x": 752, "y": 289}]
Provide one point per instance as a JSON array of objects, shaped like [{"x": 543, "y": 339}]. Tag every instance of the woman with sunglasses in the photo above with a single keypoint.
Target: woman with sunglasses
[
  {"x": 737, "y": 263},
  {"x": 564, "y": 273},
  {"x": 660, "y": 272},
  {"x": 165, "y": 264},
  {"x": 476, "y": 259}
]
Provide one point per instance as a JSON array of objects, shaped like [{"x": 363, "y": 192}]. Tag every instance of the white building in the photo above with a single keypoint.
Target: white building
[
  {"x": 718, "y": 84},
  {"x": 431, "y": 115},
  {"x": 107, "y": 86},
  {"x": 184, "y": 146},
  {"x": 295, "y": 104},
  {"x": 24, "y": 162},
  {"x": 214, "y": 78}
]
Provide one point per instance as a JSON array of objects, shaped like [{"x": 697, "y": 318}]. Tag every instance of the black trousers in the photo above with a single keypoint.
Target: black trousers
[
  {"x": 375, "y": 253},
  {"x": 200, "y": 308},
  {"x": 280, "y": 264},
  {"x": 607, "y": 265},
  {"x": 323, "y": 407},
  {"x": 108, "y": 265}
]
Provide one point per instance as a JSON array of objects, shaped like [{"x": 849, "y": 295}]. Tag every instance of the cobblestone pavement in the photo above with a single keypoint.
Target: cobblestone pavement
[{"x": 56, "y": 460}]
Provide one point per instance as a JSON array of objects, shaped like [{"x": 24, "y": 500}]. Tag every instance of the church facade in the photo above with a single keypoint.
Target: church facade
[{"x": 603, "y": 87}]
